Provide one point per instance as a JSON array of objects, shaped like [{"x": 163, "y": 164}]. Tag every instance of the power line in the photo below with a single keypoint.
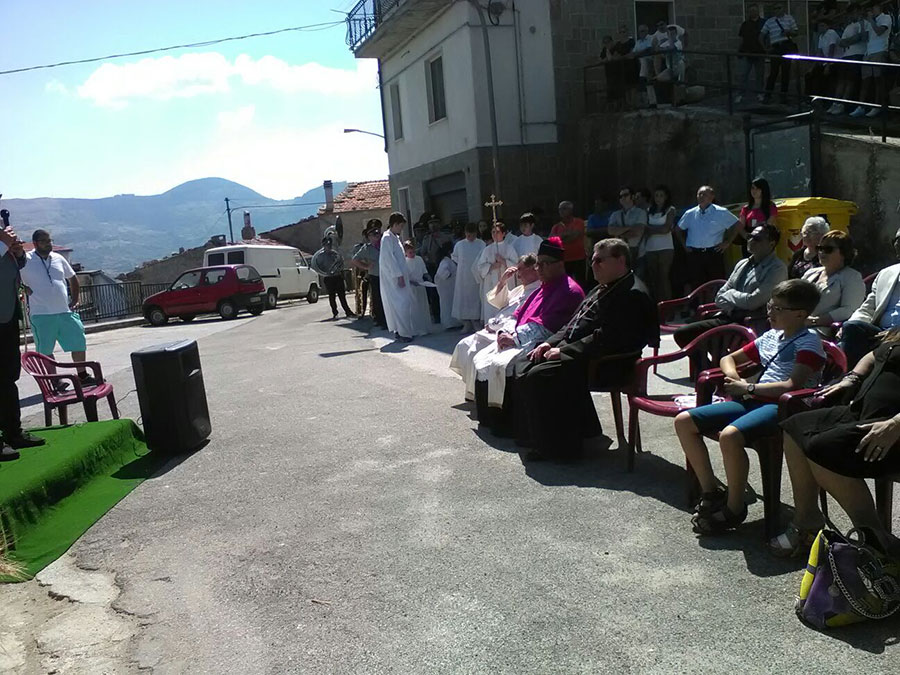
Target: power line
[{"x": 207, "y": 43}]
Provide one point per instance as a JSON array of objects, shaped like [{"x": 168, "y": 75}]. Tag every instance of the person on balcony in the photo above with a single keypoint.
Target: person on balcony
[
  {"x": 748, "y": 289},
  {"x": 880, "y": 311},
  {"x": 853, "y": 42},
  {"x": 53, "y": 298},
  {"x": 878, "y": 37},
  {"x": 751, "y": 59},
  {"x": 777, "y": 37},
  {"x": 790, "y": 358}
]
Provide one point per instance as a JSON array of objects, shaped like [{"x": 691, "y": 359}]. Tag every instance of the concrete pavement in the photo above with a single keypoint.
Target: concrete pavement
[{"x": 349, "y": 517}]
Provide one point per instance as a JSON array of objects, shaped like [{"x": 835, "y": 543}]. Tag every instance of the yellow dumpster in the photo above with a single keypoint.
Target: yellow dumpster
[{"x": 792, "y": 213}]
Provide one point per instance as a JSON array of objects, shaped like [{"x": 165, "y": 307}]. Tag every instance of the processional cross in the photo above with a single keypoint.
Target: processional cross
[{"x": 492, "y": 205}]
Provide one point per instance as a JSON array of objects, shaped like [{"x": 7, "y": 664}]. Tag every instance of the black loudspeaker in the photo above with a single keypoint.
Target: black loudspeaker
[{"x": 170, "y": 390}]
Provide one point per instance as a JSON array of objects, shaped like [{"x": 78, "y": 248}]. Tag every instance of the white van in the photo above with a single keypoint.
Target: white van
[{"x": 284, "y": 269}]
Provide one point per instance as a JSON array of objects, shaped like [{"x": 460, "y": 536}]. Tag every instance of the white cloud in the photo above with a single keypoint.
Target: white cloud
[
  {"x": 283, "y": 163},
  {"x": 56, "y": 87},
  {"x": 235, "y": 120},
  {"x": 167, "y": 77}
]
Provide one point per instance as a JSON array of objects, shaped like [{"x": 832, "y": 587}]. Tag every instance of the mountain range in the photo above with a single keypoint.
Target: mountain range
[{"x": 116, "y": 234}]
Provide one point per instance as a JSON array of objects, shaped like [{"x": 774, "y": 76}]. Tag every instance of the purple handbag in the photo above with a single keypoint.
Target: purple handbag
[{"x": 846, "y": 582}]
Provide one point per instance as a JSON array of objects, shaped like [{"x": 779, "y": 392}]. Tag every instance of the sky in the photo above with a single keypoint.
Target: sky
[{"x": 266, "y": 112}]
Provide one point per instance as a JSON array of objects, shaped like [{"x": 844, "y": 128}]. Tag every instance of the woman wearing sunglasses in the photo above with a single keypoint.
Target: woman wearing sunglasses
[{"x": 842, "y": 288}]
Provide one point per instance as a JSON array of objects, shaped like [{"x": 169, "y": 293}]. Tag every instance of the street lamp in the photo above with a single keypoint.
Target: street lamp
[{"x": 360, "y": 131}]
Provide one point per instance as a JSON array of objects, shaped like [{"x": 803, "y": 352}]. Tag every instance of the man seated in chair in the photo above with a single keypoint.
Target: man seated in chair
[
  {"x": 508, "y": 301},
  {"x": 542, "y": 313},
  {"x": 551, "y": 399},
  {"x": 790, "y": 357},
  {"x": 879, "y": 312},
  {"x": 748, "y": 288}
]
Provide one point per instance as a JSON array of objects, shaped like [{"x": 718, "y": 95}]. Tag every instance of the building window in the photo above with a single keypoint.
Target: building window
[
  {"x": 396, "y": 116},
  {"x": 651, "y": 12},
  {"x": 434, "y": 82}
]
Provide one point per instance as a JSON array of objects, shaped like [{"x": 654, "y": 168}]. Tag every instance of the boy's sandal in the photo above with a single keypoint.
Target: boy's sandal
[
  {"x": 718, "y": 522},
  {"x": 792, "y": 542},
  {"x": 710, "y": 502}
]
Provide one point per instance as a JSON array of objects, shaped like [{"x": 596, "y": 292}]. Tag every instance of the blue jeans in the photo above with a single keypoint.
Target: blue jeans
[{"x": 747, "y": 65}]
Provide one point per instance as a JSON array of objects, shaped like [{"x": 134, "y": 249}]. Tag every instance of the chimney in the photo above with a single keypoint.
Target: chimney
[
  {"x": 329, "y": 196},
  {"x": 247, "y": 232}
]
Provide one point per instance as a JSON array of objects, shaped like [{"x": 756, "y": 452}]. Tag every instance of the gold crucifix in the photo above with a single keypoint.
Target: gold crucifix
[{"x": 492, "y": 205}]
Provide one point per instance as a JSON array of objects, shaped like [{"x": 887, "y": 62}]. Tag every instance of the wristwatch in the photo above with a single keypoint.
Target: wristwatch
[{"x": 751, "y": 388}]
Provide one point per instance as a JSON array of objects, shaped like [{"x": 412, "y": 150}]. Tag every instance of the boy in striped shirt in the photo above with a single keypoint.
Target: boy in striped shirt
[{"x": 790, "y": 357}]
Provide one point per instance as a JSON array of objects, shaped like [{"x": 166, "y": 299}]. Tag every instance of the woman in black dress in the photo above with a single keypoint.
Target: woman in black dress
[{"x": 837, "y": 447}]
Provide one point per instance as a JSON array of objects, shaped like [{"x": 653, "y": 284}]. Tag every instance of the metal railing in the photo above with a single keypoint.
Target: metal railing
[
  {"x": 364, "y": 19},
  {"x": 100, "y": 302},
  {"x": 614, "y": 85}
]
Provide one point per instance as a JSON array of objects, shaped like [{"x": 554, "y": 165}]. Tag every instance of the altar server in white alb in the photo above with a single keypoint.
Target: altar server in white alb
[
  {"x": 396, "y": 291},
  {"x": 467, "y": 293},
  {"x": 445, "y": 280},
  {"x": 418, "y": 277},
  {"x": 494, "y": 260},
  {"x": 527, "y": 241},
  {"x": 507, "y": 302}
]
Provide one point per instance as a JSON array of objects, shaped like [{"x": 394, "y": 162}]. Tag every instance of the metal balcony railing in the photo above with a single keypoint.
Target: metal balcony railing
[{"x": 364, "y": 19}]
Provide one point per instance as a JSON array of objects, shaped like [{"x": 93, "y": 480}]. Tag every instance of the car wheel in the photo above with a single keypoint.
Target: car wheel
[
  {"x": 187, "y": 318},
  {"x": 256, "y": 311},
  {"x": 227, "y": 309},
  {"x": 312, "y": 296},
  {"x": 157, "y": 317},
  {"x": 271, "y": 299}
]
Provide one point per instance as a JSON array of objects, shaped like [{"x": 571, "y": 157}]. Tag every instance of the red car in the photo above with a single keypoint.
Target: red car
[{"x": 226, "y": 289}]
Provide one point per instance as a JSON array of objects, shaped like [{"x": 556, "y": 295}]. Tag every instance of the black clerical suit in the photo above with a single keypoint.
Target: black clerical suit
[
  {"x": 10, "y": 365},
  {"x": 551, "y": 402}
]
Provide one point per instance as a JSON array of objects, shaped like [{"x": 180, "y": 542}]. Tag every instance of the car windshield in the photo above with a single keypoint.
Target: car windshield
[{"x": 186, "y": 280}]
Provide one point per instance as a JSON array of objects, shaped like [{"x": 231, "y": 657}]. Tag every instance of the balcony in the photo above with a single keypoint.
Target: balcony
[{"x": 376, "y": 27}]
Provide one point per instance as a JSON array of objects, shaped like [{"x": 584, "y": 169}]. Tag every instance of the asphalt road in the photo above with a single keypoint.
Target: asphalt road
[{"x": 349, "y": 517}]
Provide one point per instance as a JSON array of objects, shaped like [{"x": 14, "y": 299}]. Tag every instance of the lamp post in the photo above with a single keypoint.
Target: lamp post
[{"x": 361, "y": 131}]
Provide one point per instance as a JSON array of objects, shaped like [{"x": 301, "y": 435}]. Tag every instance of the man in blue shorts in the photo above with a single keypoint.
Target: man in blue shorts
[
  {"x": 790, "y": 357},
  {"x": 49, "y": 278}
]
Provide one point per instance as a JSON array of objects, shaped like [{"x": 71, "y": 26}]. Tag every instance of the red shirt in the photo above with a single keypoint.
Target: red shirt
[
  {"x": 574, "y": 249},
  {"x": 755, "y": 217}
]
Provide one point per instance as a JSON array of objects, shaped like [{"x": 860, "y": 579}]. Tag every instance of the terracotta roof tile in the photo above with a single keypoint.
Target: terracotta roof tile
[{"x": 364, "y": 196}]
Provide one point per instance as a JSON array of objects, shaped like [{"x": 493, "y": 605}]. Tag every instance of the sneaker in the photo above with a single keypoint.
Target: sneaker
[
  {"x": 874, "y": 112},
  {"x": 7, "y": 454},
  {"x": 836, "y": 109},
  {"x": 350, "y": 315},
  {"x": 858, "y": 112},
  {"x": 87, "y": 380},
  {"x": 61, "y": 387},
  {"x": 24, "y": 440},
  {"x": 738, "y": 98}
]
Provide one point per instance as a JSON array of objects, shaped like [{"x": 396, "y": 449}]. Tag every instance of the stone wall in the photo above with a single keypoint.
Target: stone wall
[{"x": 167, "y": 270}]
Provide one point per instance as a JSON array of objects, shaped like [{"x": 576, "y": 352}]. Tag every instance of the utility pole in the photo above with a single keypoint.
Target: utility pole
[{"x": 230, "y": 231}]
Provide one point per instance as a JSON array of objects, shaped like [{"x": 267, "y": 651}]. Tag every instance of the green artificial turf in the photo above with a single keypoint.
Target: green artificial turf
[{"x": 52, "y": 494}]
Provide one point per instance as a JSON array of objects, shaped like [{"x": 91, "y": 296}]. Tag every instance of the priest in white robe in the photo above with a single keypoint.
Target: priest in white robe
[
  {"x": 467, "y": 292},
  {"x": 494, "y": 260},
  {"x": 445, "y": 280},
  {"x": 396, "y": 291},
  {"x": 418, "y": 277},
  {"x": 507, "y": 302},
  {"x": 527, "y": 241}
]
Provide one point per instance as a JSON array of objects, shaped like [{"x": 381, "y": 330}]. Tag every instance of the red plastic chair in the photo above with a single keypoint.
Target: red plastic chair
[
  {"x": 770, "y": 448},
  {"x": 693, "y": 304},
  {"x": 718, "y": 342},
  {"x": 39, "y": 367}
]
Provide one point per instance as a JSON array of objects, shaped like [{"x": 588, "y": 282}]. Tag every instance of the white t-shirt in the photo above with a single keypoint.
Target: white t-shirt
[
  {"x": 642, "y": 45},
  {"x": 661, "y": 37},
  {"x": 878, "y": 43},
  {"x": 659, "y": 242},
  {"x": 828, "y": 38},
  {"x": 47, "y": 281},
  {"x": 851, "y": 31}
]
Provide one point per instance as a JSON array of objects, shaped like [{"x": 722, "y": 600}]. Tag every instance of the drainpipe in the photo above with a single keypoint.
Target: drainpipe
[{"x": 495, "y": 145}]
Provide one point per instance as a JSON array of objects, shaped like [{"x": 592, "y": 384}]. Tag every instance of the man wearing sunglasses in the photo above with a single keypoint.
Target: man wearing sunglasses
[
  {"x": 749, "y": 287},
  {"x": 880, "y": 311}
]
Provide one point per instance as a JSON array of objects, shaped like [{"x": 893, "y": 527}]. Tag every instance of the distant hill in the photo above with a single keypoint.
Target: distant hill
[{"x": 116, "y": 234}]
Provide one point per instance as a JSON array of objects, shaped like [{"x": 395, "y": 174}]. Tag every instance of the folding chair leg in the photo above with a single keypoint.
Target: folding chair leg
[
  {"x": 63, "y": 415},
  {"x": 48, "y": 416},
  {"x": 90, "y": 409},
  {"x": 770, "y": 464},
  {"x": 113, "y": 408},
  {"x": 884, "y": 501}
]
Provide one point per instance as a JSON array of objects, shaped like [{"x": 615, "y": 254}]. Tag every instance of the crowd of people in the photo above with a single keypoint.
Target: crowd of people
[
  {"x": 859, "y": 31},
  {"x": 543, "y": 336}
]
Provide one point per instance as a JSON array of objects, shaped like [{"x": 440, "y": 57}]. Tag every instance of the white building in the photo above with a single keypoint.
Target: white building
[{"x": 435, "y": 102}]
